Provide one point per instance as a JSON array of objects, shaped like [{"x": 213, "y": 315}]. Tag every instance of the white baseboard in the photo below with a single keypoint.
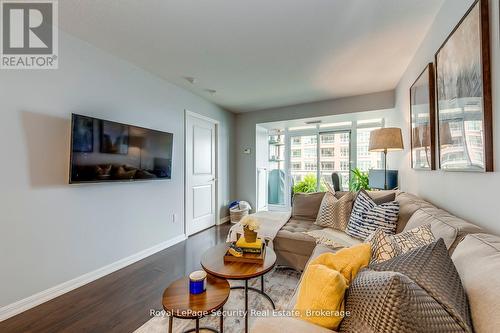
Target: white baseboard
[
  {"x": 48, "y": 294},
  {"x": 225, "y": 219}
]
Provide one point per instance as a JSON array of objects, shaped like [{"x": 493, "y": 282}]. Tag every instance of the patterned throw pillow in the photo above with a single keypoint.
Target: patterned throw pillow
[
  {"x": 385, "y": 247},
  {"x": 413, "y": 238},
  {"x": 419, "y": 291},
  {"x": 367, "y": 216},
  {"x": 334, "y": 213},
  {"x": 382, "y": 246}
]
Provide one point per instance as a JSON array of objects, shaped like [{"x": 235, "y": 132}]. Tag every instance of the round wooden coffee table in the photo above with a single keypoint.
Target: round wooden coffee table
[
  {"x": 179, "y": 303},
  {"x": 213, "y": 263}
]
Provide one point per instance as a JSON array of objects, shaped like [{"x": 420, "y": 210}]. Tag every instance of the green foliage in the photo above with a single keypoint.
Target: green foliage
[
  {"x": 359, "y": 180},
  {"x": 308, "y": 185}
]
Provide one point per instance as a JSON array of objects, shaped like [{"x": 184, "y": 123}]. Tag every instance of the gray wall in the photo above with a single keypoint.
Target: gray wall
[
  {"x": 52, "y": 232},
  {"x": 472, "y": 196},
  {"x": 246, "y": 122}
]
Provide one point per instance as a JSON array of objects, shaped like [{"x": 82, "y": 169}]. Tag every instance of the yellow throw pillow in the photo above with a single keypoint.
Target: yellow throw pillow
[
  {"x": 347, "y": 261},
  {"x": 322, "y": 288},
  {"x": 321, "y": 296}
]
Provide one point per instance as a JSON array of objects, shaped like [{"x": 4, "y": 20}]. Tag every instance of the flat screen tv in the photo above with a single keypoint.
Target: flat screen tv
[{"x": 107, "y": 151}]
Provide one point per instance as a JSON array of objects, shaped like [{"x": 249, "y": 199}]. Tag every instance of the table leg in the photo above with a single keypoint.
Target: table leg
[
  {"x": 197, "y": 325},
  {"x": 246, "y": 306},
  {"x": 222, "y": 320},
  {"x": 170, "y": 324},
  {"x": 262, "y": 283}
]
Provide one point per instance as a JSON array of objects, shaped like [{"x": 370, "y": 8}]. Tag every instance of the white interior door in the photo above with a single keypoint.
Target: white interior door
[{"x": 200, "y": 174}]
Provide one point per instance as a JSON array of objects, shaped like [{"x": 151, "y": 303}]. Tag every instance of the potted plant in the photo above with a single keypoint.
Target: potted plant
[
  {"x": 308, "y": 185},
  {"x": 250, "y": 226},
  {"x": 359, "y": 181}
]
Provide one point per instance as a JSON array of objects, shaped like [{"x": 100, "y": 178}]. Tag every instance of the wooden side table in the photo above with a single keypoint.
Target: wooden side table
[
  {"x": 179, "y": 303},
  {"x": 213, "y": 263}
]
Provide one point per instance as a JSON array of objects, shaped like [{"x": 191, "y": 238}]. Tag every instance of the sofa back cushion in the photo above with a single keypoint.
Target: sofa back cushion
[
  {"x": 443, "y": 225},
  {"x": 477, "y": 259},
  {"x": 408, "y": 205},
  {"x": 379, "y": 197},
  {"x": 306, "y": 205}
]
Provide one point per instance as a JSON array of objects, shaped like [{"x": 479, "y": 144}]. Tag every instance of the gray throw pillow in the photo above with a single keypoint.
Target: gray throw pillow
[{"x": 419, "y": 291}]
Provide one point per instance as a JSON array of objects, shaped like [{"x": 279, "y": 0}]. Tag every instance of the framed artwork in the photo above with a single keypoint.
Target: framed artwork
[
  {"x": 463, "y": 79},
  {"x": 423, "y": 121},
  {"x": 114, "y": 138},
  {"x": 83, "y": 134}
]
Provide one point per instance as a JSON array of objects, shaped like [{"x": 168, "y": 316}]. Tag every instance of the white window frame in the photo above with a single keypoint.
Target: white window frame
[{"x": 317, "y": 130}]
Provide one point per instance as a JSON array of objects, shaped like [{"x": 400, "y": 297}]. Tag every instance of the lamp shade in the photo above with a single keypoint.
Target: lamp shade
[{"x": 383, "y": 139}]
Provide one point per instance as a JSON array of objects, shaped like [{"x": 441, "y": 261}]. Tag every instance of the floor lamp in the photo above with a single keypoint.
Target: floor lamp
[{"x": 384, "y": 140}]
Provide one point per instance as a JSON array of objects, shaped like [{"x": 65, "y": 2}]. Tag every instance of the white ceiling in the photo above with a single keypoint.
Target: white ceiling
[{"x": 259, "y": 54}]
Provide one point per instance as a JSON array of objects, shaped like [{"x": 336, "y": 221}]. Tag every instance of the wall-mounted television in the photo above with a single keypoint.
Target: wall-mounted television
[{"x": 107, "y": 151}]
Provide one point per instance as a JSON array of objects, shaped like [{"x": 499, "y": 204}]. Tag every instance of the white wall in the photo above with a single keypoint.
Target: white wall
[
  {"x": 52, "y": 232},
  {"x": 246, "y": 125},
  {"x": 473, "y": 196}
]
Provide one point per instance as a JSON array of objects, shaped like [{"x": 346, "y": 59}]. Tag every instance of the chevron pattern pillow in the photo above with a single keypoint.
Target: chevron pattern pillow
[
  {"x": 334, "y": 213},
  {"x": 367, "y": 216}
]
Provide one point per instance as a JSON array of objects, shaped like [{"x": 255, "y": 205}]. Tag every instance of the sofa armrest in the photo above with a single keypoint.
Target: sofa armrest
[{"x": 285, "y": 325}]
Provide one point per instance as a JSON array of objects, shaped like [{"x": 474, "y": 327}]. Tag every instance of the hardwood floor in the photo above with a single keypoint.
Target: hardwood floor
[{"x": 120, "y": 301}]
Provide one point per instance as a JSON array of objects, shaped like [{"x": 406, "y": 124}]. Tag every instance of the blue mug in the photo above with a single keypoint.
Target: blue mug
[{"x": 197, "y": 282}]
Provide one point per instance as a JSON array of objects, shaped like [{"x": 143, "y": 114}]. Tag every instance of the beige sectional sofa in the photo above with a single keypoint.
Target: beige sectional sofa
[
  {"x": 294, "y": 247},
  {"x": 475, "y": 254}
]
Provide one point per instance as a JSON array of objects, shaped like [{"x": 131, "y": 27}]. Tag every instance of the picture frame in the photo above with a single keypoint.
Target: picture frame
[
  {"x": 463, "y": 94},
  {"x": 423, "y": 120}
]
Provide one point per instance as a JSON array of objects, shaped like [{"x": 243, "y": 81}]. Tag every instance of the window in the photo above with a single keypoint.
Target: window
[
  {"x": 310, "y": 140},
  {"x": 344, "y": 166},
  {"x": 310, "y": 152},
  {"x": 344, "y": 137},
  {"x": 366, "y": 160},
  {"x": 363, "y": 150},
  {"x": 310, "y": 166},
  {"x": 296, "y": 140},
  {"x": 365, "y": 165},
  {"x": 327, "y": 152},
  {"x": 344, "y": 151},
  {"x": 328, "y": 138},
  {"x": 296, "y": 166},
  {"x": 296, "y": 153},
  {"x": 327, "y": 166}
]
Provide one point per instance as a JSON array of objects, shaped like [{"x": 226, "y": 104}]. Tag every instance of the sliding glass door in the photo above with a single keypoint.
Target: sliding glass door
[
  {"x": 304, "y": 162},
  {"x": 335, "y": 156},
  {"x": 316, "y": 156}
]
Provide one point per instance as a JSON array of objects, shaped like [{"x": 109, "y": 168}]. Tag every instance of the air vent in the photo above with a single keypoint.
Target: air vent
[{"x": 313, "y": 122}]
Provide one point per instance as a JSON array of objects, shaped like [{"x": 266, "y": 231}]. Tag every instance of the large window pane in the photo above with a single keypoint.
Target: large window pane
[
  {"x": 335, "y": 157},
  {"x": 304, "y": 162},
  {"x": 366, "y": 160}
]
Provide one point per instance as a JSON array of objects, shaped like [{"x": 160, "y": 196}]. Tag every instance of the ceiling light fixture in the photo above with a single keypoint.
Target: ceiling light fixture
[{"x": 190, "y": 79}]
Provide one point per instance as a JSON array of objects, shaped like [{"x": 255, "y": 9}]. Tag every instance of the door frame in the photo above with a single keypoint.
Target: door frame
[{"x": 188, "y": 113}]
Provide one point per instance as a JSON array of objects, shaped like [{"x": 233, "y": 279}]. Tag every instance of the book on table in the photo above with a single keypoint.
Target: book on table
[{"x": 255, "y": 247}]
